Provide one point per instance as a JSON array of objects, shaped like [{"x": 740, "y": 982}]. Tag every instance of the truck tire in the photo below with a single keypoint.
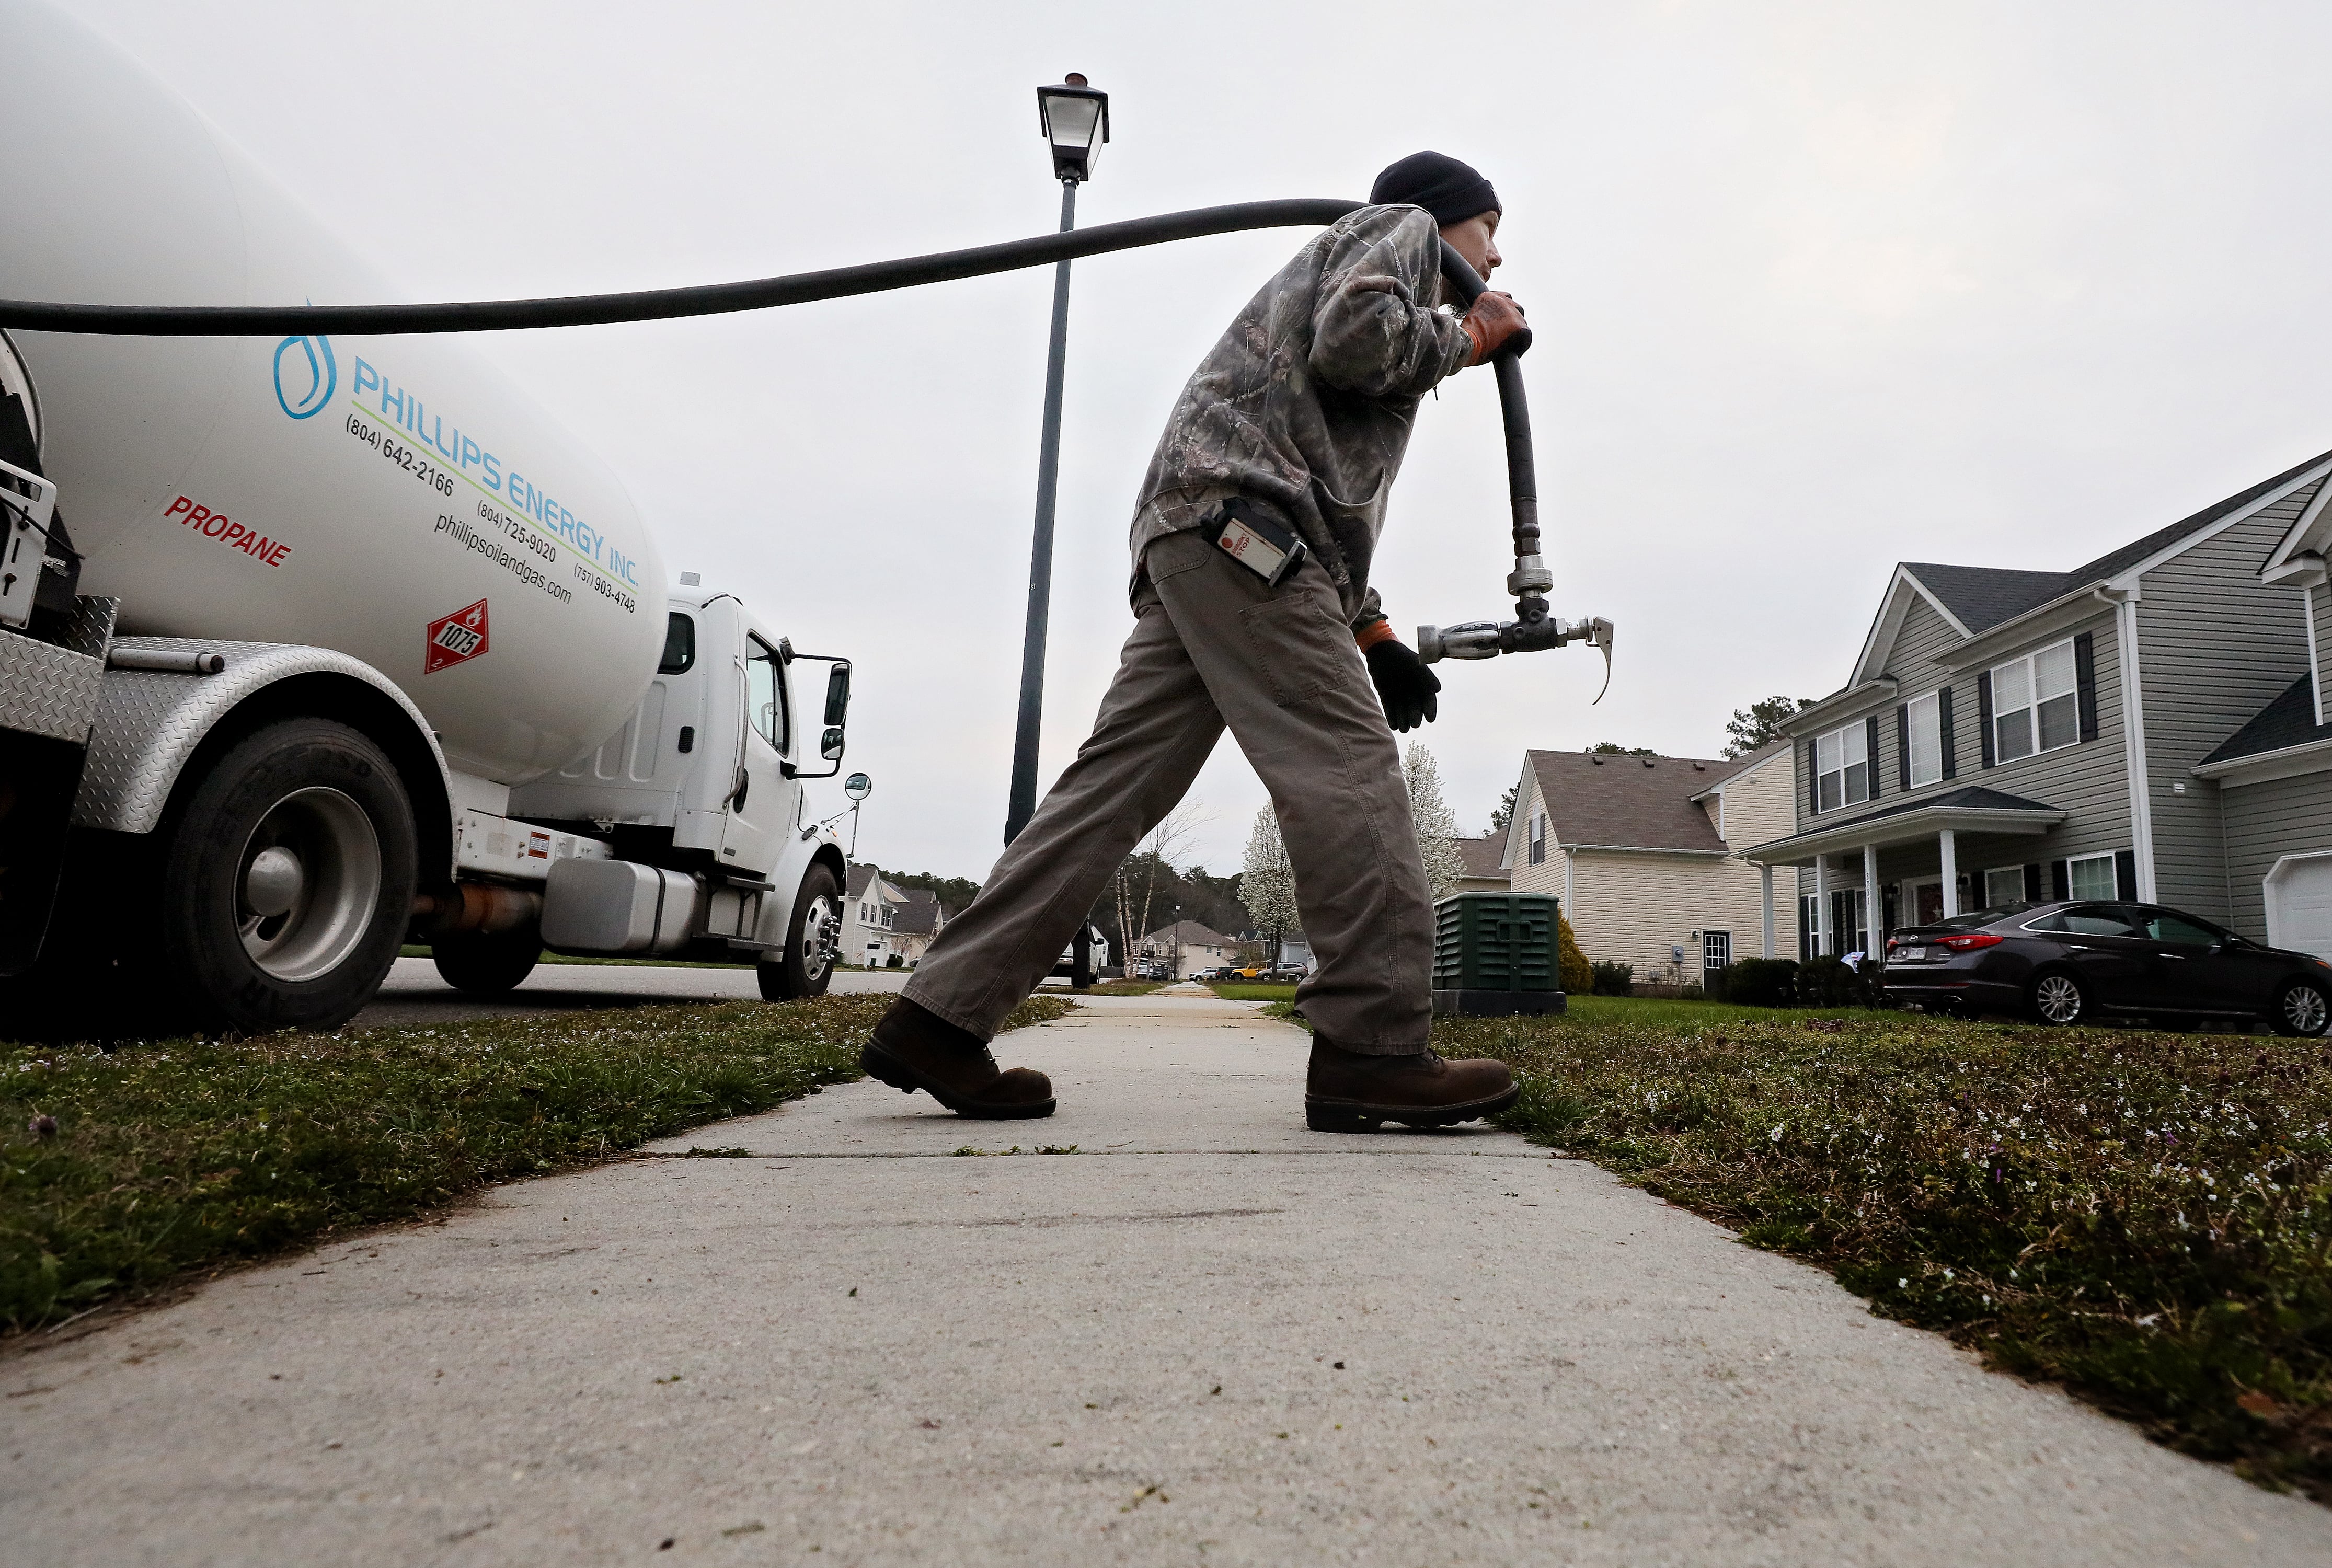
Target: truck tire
[
  {"x": 805, "y": 967},
  {"x": 287, "y": 881},
  {"x": 487, "y": 965}
]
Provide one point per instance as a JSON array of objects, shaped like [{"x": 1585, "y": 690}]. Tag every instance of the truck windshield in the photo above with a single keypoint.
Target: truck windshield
[{"x": 765, "y": 693}]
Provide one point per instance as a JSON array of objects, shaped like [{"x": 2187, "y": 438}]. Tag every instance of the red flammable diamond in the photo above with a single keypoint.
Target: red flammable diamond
[{"x": 458, "y": 637}]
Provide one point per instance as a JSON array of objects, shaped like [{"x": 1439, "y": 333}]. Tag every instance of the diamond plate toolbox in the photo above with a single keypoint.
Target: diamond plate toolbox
[{"x": 48, "y": 691}]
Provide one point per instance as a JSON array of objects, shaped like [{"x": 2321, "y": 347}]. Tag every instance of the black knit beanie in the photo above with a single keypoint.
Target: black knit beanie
[{"x": 1451, "y": 191}]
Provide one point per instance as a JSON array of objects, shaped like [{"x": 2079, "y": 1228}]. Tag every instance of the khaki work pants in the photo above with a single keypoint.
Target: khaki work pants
[{"x": 1213, "y": 645}]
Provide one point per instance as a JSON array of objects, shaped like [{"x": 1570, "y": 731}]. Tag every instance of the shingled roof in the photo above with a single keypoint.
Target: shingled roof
[
  {"x": 1981, "y": 597},
  {"x": 1629, "y": 802},
  {"x": 1482, "y": 856},
  {"x": 2290, "y": 721}
]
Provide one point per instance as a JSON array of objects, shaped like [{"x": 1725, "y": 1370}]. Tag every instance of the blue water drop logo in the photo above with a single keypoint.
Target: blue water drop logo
[{"x": 314, "y": 376}]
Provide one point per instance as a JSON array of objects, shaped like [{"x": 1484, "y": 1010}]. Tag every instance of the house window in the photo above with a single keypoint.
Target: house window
[
  {"x": 2005, "y": 884},
  {"x": 2034, "y": 703},
  {"x": 2092, "y": 876},
  {"x": 1538, "y": 838},
  {"x": 1842, "y": 767},
  {"x": 1926, "y": 719},
  {"x": 1715, "y": 950}
]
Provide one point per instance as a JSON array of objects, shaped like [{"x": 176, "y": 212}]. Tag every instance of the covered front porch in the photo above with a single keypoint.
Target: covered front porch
[{"x": 1916, "y": 848}]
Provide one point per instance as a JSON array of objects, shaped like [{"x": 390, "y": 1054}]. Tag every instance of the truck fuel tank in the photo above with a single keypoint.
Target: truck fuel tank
[{"x": 394, "y": 499}]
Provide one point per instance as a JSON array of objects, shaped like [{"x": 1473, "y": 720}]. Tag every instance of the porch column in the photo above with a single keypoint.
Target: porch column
[
  {"x": 1821, "y": 904},
  {"x": 1874, "y": 906},
  {"x": 1951, "y": 854},
  {"x": 1765, "y": 884}
]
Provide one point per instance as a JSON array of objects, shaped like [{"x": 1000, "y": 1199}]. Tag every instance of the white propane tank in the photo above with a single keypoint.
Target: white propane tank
[{"x": 393, "y": 498}]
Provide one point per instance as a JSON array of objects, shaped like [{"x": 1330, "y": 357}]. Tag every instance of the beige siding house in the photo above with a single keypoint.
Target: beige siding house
[{"x": 1646, "y": 855}]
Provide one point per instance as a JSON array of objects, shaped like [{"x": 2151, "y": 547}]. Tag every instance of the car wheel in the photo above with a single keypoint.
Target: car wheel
[
  {"x": 287, "y": 881},
  {"x": 806, "y": 966},
  {"x": 488, "y": 965},
  {"x": 2058, "y": 997},
  {"x": 2300, "y": 1008}
]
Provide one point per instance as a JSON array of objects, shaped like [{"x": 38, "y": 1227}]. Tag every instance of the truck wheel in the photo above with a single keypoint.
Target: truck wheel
[
  {"x": 288, "y": 880},
  {"x": 487, "y": 965},
  {"x": 805, "y": 967}
]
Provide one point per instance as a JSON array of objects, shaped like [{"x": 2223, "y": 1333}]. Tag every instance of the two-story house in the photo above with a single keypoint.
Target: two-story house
[
  {"x": 870, "y": 919},
  {"x": 2017, "y": 734},
  {"x": 1646, "y": 855}
]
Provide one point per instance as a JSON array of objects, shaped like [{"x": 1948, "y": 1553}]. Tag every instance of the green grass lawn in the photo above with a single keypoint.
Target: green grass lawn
[
  {"x": 182, "y": 1154},
  {"x": 1243, "y": 991},
  {"x": 2145, "y": 1218},
  {"x": 1123, "y": 988}
]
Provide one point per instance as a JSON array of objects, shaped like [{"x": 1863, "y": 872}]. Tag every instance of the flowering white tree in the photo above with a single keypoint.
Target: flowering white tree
[
  {"x": 1267, "y": 883},
  {"x": 1437, "y": 829}
]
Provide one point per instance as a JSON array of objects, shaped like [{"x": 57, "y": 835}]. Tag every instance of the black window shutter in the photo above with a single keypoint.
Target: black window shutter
[
  {"x": 1870, "y": 746},
  {"x": 1944, "y": 722},
  {"x": 2061, "y": 879},
  {"x": 1814, "y": 782},
  {"x": 1983, "y": 714},
  {"x": 2032, "y": 882},
  {"x": 2126, "y": 874},
  {"x": 2085, "y": 682},
  {"x": 1902, "y": 746}
]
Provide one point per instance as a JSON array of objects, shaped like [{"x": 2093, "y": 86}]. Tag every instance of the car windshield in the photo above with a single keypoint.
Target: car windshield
[{"x": 1977, "y": 918}]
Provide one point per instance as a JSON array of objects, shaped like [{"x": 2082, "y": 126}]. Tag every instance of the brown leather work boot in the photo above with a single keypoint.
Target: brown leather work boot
[
  {"x": 1348, "y": 1092},
  {"x": 914, "y": 1049}
]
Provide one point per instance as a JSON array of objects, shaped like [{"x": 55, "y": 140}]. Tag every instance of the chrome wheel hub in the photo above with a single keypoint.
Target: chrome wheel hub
[
  {"x": 309, "y": 884},
  {"x": 2058, "y": 998},
  {"x": 821, "y": 935}
]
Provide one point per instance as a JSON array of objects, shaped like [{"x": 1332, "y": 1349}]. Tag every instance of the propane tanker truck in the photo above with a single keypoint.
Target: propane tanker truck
[{"x": 315, "y": 646}]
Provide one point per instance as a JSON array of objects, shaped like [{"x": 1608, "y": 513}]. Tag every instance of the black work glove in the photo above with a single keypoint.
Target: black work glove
[{"x": 1404, "y": 685}]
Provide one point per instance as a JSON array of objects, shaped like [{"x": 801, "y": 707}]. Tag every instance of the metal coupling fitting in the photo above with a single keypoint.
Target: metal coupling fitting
[
  {"x": 1530, "y": 576},
  {"x": 1470, "y": 640}
]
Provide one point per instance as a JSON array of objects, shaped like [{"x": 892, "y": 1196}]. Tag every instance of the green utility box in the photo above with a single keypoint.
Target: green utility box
[{"x": 1494, "y": 955}]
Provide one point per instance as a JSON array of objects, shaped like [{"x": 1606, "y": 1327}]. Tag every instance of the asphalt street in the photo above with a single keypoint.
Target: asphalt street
[
  {"x": 1168, "y": 1325},
  {"x": 414, "y": 994}
]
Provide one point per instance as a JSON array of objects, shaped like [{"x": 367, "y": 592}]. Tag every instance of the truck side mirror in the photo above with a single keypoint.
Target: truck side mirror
[
  {"x": 829, "y": 746},
  {"x": 837, "y": 699}
]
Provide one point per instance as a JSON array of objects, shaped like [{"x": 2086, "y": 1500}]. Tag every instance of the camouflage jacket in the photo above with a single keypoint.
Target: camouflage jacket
[{"x": 1305, "y": 403}]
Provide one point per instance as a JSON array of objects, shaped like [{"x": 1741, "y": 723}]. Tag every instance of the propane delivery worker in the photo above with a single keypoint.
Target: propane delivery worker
[{"x": 1253, "y": 610}]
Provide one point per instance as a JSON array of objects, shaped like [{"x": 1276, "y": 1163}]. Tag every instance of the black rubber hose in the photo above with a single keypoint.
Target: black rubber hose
[
  {"x": 1513, "y": 406},
  {"x": 661, "y": 304}
]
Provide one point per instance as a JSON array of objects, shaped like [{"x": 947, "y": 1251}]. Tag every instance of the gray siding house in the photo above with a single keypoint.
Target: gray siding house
[{"x": 2146, "y": 726}]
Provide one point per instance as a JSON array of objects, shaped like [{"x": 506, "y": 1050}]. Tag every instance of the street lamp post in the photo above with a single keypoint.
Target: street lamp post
[{"x": 1076, "y": 121}]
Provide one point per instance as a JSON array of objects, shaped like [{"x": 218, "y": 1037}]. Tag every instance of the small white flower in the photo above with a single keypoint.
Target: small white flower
[
  {"x": 1902, "y": 1284},
  {"x": 1776, "y": 1134}
]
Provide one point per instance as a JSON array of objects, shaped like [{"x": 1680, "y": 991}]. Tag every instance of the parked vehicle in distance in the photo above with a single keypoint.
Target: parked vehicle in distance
[{"x": 2077, "y": 961}]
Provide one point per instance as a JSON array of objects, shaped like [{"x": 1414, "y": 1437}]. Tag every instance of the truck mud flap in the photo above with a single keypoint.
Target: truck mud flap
[{"x": 38, "y": 777}]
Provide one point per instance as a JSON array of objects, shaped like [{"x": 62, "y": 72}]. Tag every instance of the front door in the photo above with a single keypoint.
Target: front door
[
  {"x": 1926, "y": 903},
  {"x": 761, "y": 807}
]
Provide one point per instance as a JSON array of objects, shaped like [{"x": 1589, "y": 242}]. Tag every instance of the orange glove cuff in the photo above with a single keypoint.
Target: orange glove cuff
[{"x": 1375, "y": 631}]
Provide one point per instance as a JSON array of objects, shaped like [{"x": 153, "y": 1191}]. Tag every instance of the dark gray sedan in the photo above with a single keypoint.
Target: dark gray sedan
[{"x": 2077, "y": 962}]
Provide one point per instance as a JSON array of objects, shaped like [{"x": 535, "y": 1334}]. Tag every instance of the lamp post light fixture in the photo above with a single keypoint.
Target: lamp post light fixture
[{"x": 1075, "y": 119}]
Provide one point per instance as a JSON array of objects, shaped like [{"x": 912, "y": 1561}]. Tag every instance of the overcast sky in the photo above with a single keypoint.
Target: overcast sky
[{"x": 1816, "y": 288}]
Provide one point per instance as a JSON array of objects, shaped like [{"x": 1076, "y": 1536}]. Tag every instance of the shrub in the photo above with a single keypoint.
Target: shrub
[
  {"x": 1827, "y": 981},
  {"x": 1578, "y": 974},
  {"x": 1614, "y": 979},
  {"x": 1761, "y": 983},
  {"x": 893, "y": 961}
]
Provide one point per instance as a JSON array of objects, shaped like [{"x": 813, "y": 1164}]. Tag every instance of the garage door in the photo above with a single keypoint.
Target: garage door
[{"x": 2299, "y": 905}]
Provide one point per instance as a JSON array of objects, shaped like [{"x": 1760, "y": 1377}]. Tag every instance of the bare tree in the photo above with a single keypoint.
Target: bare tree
[
  {"x": 1437, "y": 829},
  {"x": 1136, "y": 885},
  {"x": 1267, "y": 882}
]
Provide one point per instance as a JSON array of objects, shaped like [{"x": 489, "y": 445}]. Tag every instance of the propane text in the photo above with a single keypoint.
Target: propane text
[{"x": 220, "y": 527}]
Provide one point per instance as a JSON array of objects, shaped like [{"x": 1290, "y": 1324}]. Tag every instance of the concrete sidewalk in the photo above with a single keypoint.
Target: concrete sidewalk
[{"x": 1206, "y": 1335}]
